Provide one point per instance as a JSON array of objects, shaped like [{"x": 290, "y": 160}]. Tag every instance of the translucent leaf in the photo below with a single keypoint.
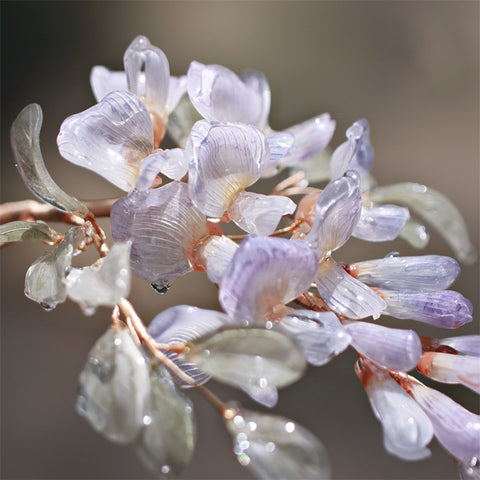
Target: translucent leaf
[
  {"x": 167, "y": 440},
  {"x": 21, "y": 231},
  {"x": 45, "y": 279},
  {"x": 114, "y": 386},
  {"x": 103, "y": 283},
  {"x": 436, "y": 209},
  {"x": 248, "y": 358},
  {"x": 275, "y": 448},
  {"x": 25, "y": 140}
]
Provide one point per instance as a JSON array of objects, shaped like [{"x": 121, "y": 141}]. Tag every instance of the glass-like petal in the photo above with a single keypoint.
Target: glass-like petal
[
  {"x": 45, "y": 279},
  {"x": 381, "y": 224},
  {"x": 311, "y": 137},
  {"x": 257, "y": 82},
  {"x": 20, "y": 231},
  {"x": 114, "y": 386},
  {"x": 320, "y": 334},
  {"x": 425, "y": 273},
  {"x": 345, "y": 295},
  {"x": 164, "y": 227},
  {"x": 216, "y": 253},
  {"x": 110, "y": 138},
  {"x": 387, "y": 347},
  {"x": 181, "y": 121},
  {"x": 221, "y": 96},
  {"x": 436, "y": 209},
  {"x": 167, "y": 440},
  {"x": 264, "y": 274},
  {"x": 104, "y": 81},
  {"x": 355, "y": 154},
  {"x": 148, "y": 74},
  {"x": 457, "y": 429},
  {"x": 249, "y": 358},
  {"x": 415, "y": 234},
  {"x": 406, "y": 428},
  {"x": 336, "y": 213},
  {"x": 227, "y": 158},
  {"x": 469, "y": 470},
  {"x": 280, "y": 144},
  {"x": 275, "y": 448},
  {"x": 260, "y": 214},
  {"x": 25, "y": 141},
  {"x": 176, "y": 90},
  {"x": 268, "y": 397},
  {"x": 443, "y": 308},
  {"x": 449, "y": 368},
  {"x": 466, "y": 344},
  {"x": 103, "y": 283}
]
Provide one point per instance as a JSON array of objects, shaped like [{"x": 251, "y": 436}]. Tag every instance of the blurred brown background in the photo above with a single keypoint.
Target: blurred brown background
[{"x": 411, "y": 68}]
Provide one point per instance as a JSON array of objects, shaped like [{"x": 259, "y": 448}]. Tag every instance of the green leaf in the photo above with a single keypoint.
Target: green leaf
[
  {"x": 20, "y": 231},
  {"x": 25, "y": 140}
]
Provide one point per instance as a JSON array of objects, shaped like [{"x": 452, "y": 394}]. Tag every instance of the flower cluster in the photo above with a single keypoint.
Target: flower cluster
[{"x": 286, "y": 300}]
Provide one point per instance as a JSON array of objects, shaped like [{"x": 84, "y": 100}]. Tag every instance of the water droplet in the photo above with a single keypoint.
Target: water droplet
[
  {"x": 239, "y": 421},
  {"x": 392, "y": 255},
  {"x": 289, "y": 427},
  {"x": 147, "y": 420},
  {"x": 243, "y": 459},
  {"x": 263, "y": 383},
  {"x": 117, "y": 342},
  {"x": 165, "y": 469},
  {"x": 253, "y": 426},
  {"x": 270, "y": 447}
]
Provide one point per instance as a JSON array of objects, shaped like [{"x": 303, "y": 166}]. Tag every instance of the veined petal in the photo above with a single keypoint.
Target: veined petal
[
  {"x": 260, "y": 214},
  {"x": 457, "y": 429},
  {"x": 280, "y": 144},
  {"x": 226, "y": 158},
  {"x": 104, "y": 81},
  {"x": 336, "y": 213},
  {"x": 436, "y": 209},
  {"x": 177, "y": 88},
  {"x": 20, "y": 231},
  {"x": 406, "y": 428},
  {"x": 449, "y": 368},
  {"x": 355, "y": 154},
  {"x": 345, "y": 295},
  {"x": 110, "y": 138},
  {"x": 415, "y": 234},
  {"x": 320, "y": 334},
  {"x": 266, "y": 273},
  {"x": 381, "y": 224},
  {"x": 164, "y": 227},
  {"x": 443, "y": 308},
  {"x": 311, "y": 137},
  {"x": 466, "y": 344},
  {"x": 221, "y": 96},
  {"x": 423, "y": 273},
  {"x": 390, "y": 348},
  {"x": 216, "y": 254},
  {"x": 148, "y": 74}
]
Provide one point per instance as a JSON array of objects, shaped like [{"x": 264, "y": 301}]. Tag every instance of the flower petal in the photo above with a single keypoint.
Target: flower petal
[
  {"x": 390, "y": 348},
  {"x": 345, "y": 295},
  {"x": 260, "y": 214},
  {"x": 423, "y": 273},
  {"x": 181, "y": 120},
  {"x": 264, "y": 274},
  {"x": 443, "y": 308},
  {"x": 164, "y": 227},
  {"x": 20, "y": 231},
  {"x": 104, "y": 81},
  {"x": 110, "y": 138},
  {"x": 257, "y": 82},
  {"x": 226, "y": 158},
  {"x": 216, "y": 254},
  {"x": 381, "y": 224},
  {"x": 176, "y": 90},
  {"x": 466, "y": 344}
]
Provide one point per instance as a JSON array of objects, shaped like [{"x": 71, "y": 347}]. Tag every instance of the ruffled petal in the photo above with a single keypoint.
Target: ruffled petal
[
  {"x": 264, "y": 274},
  {"x": 148, "y": 74},
  {"x": 381, "y": 224},
  {"x": 110, "y": 138},
  {"x": 423, "y": 273},
  {"x": 260, "y": 214},
  {"x": 336, "y": 213},
  {"x": 226, "y": 158},
  {"x": 345, "y": 295},
  {"x": 164, "y": 227},
  {"x": 104, "y": 81},
  {"x": 443, "y": 308},
  {"x": 390, "y": 348},
  {"x": 320, "y": 334}
]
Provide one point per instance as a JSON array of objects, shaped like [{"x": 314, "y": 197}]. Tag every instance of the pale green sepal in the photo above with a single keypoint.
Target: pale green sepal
[
  {"x": 20, "y": 231},
  {"x": 181, "y": 121},
  {"x": 25, "y": 140}
]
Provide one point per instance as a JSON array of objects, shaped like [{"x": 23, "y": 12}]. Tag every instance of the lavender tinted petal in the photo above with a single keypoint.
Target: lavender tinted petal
[
  {"x": 104, "y": 81},
  {"x": 110, "y": 138},
  {"x": 381, "y": 224},
  {"x": 163, "y": 225},
  {"x": 257, "y": 82},
  {"x": 216, "y": 253},
  {"x": 466, "y": 344},
  {"x": 444, "y": 308},
  {"x": 265, "y": 273},
  {"x": 423, "y": 273},
  {"x": 345, "y": 295},
  {"x": 390, "y": 348},
  {"x": 176, "y": 90}
]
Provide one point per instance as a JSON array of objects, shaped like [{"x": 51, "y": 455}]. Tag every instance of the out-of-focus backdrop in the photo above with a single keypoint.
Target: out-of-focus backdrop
[{"x": 410, "y": 68}]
